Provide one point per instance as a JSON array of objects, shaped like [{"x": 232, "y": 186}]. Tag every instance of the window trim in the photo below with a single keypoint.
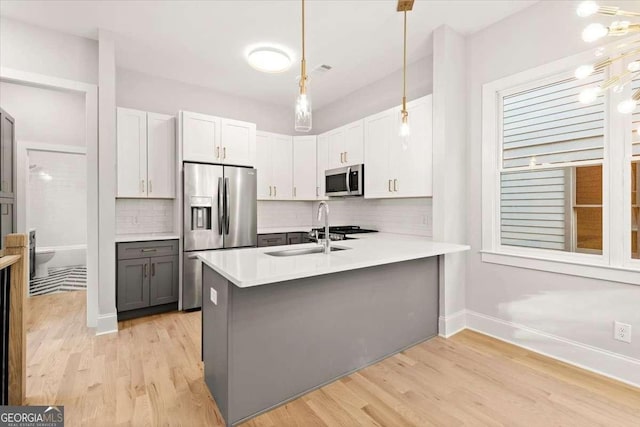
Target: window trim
[{"x": 615, "y": 262}]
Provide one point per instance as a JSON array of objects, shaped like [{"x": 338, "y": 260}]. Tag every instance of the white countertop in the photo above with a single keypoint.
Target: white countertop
[
  {"x": 252, "y": 266},
  {"x": 271, "y": 230},
  {"x": 146, "y": 237}
]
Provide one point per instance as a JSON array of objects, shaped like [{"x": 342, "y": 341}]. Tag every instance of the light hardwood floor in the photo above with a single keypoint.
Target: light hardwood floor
[{"x": 150, "y": 373}]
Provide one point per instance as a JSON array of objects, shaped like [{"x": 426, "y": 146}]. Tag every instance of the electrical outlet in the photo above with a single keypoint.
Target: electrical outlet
[{"x": 621, "y": 332}]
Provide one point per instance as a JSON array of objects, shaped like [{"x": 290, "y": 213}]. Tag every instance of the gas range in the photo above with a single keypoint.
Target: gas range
[{"x": 340, "y": 232}]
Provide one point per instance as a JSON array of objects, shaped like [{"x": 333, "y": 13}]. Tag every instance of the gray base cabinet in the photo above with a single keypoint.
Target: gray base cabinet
[
  {"x": 280, "y": 239},
  {"x": 147, "y": 279}
]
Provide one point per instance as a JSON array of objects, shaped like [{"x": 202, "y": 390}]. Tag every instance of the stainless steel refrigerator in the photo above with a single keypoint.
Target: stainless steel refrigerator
[{"x": 220, "y": 212}]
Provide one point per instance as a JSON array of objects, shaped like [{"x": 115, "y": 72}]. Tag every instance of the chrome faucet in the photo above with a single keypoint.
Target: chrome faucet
[{"x": 326, "y": 242}]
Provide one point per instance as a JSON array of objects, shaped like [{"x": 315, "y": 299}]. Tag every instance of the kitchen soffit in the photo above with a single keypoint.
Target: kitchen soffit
[{"x": 204, "y": 43}]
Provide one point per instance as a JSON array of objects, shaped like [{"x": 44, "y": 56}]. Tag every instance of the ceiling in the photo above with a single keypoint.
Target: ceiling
[{"x": 204, "y": 42}]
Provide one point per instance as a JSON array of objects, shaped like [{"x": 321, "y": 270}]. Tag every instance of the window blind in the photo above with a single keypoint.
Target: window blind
[
  {"x": 548, "y": 125},
  {"x": 532, "y": 209}
]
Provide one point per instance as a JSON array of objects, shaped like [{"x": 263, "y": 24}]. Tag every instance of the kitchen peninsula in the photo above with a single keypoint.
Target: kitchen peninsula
[{"x": 278, "y": 322}]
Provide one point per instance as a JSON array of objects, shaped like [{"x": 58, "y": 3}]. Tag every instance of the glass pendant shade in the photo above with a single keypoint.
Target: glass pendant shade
[
  {"x": 404, "y": 131},
  {"x": 303, "y": 113}
]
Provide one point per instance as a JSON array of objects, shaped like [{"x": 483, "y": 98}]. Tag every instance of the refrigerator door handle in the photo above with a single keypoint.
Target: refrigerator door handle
[
  {"x": 220, "y": 206},
  {"x": 226, "y": 205}
]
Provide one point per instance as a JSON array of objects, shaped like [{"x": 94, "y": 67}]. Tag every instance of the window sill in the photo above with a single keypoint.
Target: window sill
[{"x": 571, "y": 268}]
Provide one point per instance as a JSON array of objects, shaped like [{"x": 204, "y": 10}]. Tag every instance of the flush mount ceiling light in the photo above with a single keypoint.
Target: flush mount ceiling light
[
  {"x": 269, "y": 59},
  {"x": 596, "y": 31}
]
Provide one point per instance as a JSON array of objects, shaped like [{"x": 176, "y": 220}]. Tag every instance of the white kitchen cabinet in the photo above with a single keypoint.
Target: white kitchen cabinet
[
  {"x": 238, "y": 142},
  {"x": 322, "y": 164},
  {"x": 304, "y": 167},
  {"x": 274, "y": 162},
  {"x": 145, "y": 154},
  {"x": 210, "y": 139},
  {"x": 200, "y": 138},
  {"x": 131, "y": 153},
  {"x": 161, "y": 156},
  {"x": 394, "y": 170},
  {"x": 346, "y": 145}
]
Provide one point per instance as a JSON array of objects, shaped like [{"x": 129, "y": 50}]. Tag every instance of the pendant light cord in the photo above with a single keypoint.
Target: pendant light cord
[
  {"x": 404, "y": 67},
  {"x": 303, "y": 64}
]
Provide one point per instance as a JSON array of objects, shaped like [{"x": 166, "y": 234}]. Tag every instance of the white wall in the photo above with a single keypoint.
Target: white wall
[
  {"x": 45, "y": 115},
  {"x": 402, "y": 216},
  {"x": 160, "y": 95},
  {"x": 572, "y": 308},
  {"x": 58, "y": 198},
  {"x": 376, "y": 97},
  {"x": 39, "y": 50}
]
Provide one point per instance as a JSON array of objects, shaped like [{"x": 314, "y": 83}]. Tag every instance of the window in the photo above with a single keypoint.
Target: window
[{"x": 548, "y": 161}]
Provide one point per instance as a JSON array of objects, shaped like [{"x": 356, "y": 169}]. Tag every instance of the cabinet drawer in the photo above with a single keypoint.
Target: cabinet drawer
[
  {"x": 132, "y": 250},
  {"x": 278, "y": 239},
  {"x": 294, "y": 238}
]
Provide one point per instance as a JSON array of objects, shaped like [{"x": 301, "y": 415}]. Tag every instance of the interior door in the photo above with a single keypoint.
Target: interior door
[
  {"x": 161, "y": 156},
  {"x": 131, "y": 153},
  {"x": 264, "y": 170},
  {"x": 238, "y": 142},
  {"x": 240, "y": 208},
  {"x": 304, "y": 167},
  {"x": 7, "y": 137},
  {"x": 282, "y": 167},
  {"x": 200, "y": 138}
]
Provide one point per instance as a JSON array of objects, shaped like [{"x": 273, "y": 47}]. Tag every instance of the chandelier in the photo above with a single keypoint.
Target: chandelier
[{"x": 625, "y": 50}]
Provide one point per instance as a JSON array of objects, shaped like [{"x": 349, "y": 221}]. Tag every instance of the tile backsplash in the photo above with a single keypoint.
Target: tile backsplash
[
  {"x": 284, "y": 214},
  {"x": 402, "y": 216},
  {"x": 144, "y": 216}
]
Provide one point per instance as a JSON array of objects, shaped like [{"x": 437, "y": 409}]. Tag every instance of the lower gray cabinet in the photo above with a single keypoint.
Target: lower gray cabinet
[
  {"x": 133, "y": 284},
  {"x": 147, "y": 278},
  {"x": 163, "y": 287}
]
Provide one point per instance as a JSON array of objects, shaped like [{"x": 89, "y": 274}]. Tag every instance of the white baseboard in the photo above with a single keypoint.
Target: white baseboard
[
  {"x": 451, "y": 325},
  {"x": 107, "y": 324},
  {"x": 603, "y": 362}
]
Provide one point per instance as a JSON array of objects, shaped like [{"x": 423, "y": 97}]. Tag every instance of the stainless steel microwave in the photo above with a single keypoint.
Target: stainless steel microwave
[{"x": 346, "y": 181}]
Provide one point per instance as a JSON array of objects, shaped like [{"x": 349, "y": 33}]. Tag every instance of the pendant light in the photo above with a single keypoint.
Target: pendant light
[
  {"x": 405, "y": 130},
  {"x": 303, "y": 103}
]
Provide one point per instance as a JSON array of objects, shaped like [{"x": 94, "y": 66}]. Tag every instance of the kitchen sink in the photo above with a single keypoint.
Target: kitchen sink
[{"x": 304, "y": 251}]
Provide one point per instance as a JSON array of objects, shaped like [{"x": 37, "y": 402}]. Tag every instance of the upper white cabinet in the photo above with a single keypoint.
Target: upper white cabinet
[
  {"x": 394, "y": 169},
  {"x": 212, "y": 139},
  {"x": 322, "y": 164},
  {"x": 145, "y": 154},
  {"x": 304, "y": 168},
  {"x": 274, "y": 163},
  {"x": 346, "y": 145}
]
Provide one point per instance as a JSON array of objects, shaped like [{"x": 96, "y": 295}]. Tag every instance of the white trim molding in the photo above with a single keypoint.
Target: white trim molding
[
  {"x": 107, "y": 324},
  {"x": 451, "y": 325},
  {"x": 602, "y": 362}
]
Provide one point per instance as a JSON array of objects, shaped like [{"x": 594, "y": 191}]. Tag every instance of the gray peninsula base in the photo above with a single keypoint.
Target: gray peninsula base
[{"x": 265, "y": 345}]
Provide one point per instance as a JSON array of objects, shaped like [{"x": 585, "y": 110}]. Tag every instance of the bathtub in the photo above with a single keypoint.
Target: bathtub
[{"x": 66, "y": 256}]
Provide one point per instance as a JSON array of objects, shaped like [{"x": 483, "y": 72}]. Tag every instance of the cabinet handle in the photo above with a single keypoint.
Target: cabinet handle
[
  {"x": 275, "y": 191},
  {"x": 153, "y": 269},
  {"x": 224, "y": 153},
  {"x": 145, "y": 269},
  {"x": 395, "y": 185},
  {"x": 345, "y": 156},
  {"x": 217, "y": 152},
  {"x": 150, "y": 186},
  {"x": 270, "y": 192},
  {"x": 317, "y": 191},
  {"x": 341, "y": 157},
  {"x": 148, "y": 250},
  {"x": 390, "y": 190},
  {"x": 294, "y": 191},
  {"x": 142, "y": 186}
]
